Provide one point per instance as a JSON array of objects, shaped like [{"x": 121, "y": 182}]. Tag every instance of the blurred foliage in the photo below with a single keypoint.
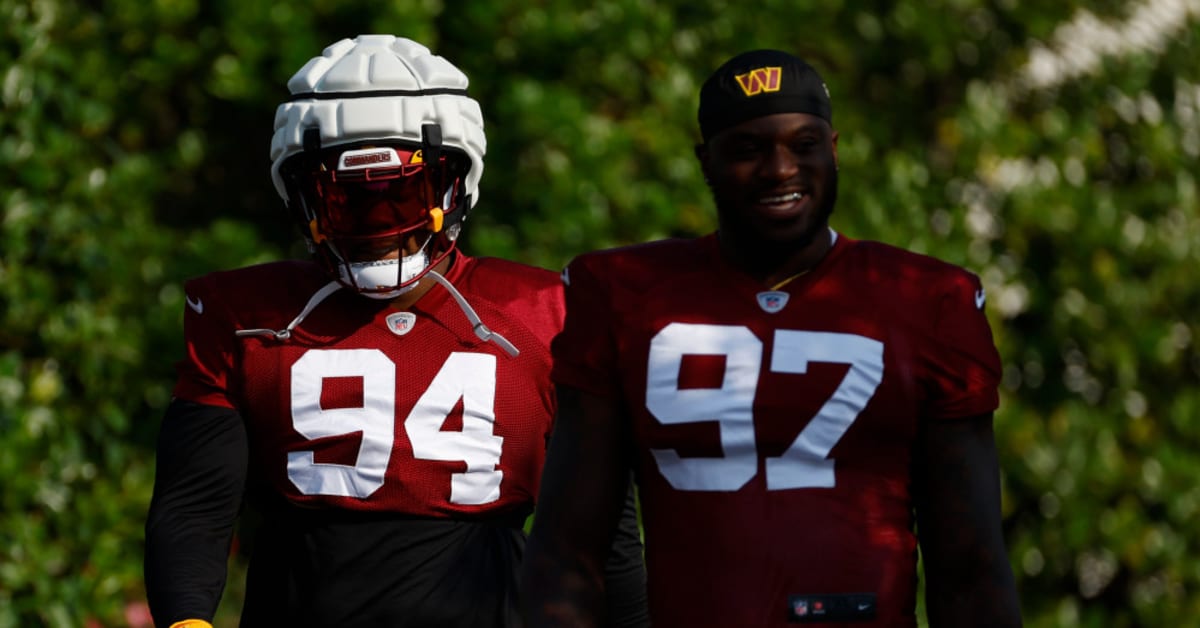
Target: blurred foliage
[{"x": 1051, "y": 147}]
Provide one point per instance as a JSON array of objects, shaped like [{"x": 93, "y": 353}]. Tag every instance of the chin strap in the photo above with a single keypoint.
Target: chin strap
[
  {"x": 481, "y": 330},
  {"x": 284, "y": 334}
]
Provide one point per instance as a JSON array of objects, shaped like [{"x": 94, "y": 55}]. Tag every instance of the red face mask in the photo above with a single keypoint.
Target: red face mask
[
  {"x": 362, "y": 205},
  {"x": 377, "y": 192}
]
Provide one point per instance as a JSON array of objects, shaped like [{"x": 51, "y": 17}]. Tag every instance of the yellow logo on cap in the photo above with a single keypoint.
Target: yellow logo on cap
[
  {"x": 417, "y": 157},
  {"x": 760, "y": 80}
]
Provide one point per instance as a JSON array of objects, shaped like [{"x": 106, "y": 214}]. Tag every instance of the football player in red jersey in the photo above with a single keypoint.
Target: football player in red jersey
[
  {"x": 802, "y": 410},
  {"x": 386, "y": 406}
]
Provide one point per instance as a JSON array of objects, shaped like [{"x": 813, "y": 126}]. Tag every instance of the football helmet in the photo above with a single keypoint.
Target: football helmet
[{"x": 379, "y": 144}]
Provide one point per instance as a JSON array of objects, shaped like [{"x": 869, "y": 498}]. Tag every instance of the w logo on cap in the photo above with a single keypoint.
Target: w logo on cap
[{"x": 760, "y": 80}]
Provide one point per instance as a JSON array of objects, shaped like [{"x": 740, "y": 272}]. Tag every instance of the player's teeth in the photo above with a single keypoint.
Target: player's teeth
[{"x": 794, "y": 196}]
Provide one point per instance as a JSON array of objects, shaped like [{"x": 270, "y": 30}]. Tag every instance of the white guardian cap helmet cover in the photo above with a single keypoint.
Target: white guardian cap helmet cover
[{"x": 377, "y": 91}]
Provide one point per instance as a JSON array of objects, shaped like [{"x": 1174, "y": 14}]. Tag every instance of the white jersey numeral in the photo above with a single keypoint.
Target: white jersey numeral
[
  {"x": 731, "y": 405},
  {"x": 467, "y": 376},
  {"x": 805, "y": 464},
  {"x": 472, "y": 378},
  {"x": 376, "y": 420}
]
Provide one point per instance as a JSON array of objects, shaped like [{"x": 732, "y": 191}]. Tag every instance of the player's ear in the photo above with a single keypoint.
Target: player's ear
[
  {"x": 833, "y": 138},
  {"x": 701, "y": 151}
]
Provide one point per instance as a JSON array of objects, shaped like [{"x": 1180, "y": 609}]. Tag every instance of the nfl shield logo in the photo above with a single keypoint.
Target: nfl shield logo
[
  {"x": 401, "y": 323},
  {"x": 800, "y": 608},
  {"x": 772, "y": 301}
]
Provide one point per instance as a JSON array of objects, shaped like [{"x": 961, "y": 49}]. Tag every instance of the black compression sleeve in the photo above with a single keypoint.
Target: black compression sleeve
[
  {"x": 625, "y": 571},
  {"x": 198, "y": 488}
]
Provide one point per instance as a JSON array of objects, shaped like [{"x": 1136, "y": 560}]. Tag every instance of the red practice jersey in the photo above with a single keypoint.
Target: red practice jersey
[
  {"x": 366, "y": 408},
  {"x": 774, "y": 428}
]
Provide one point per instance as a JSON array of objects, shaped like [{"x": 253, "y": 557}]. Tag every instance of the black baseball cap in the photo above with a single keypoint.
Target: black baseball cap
[{"x": 760, "y": 83}]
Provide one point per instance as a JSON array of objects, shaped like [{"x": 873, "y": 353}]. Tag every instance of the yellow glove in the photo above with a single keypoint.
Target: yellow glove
[{"x": 191, "y": 623}]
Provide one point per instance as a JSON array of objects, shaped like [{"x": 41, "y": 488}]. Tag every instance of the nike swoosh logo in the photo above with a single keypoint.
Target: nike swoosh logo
[
  {"x": 197, "y": 305},
  {"x": 980, "y": 297},
  {"x": 863, "y": 607}
]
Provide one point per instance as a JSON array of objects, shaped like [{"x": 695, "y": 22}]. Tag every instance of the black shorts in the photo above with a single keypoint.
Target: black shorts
[{"x": 347, "y": 570}]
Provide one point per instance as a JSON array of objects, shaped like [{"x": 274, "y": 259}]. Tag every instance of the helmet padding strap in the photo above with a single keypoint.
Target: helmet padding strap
[{"x": 431, "y": 142}]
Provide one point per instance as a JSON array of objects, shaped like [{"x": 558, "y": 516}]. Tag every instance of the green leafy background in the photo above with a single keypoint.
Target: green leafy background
[{"x": 1051, "y": 147}]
